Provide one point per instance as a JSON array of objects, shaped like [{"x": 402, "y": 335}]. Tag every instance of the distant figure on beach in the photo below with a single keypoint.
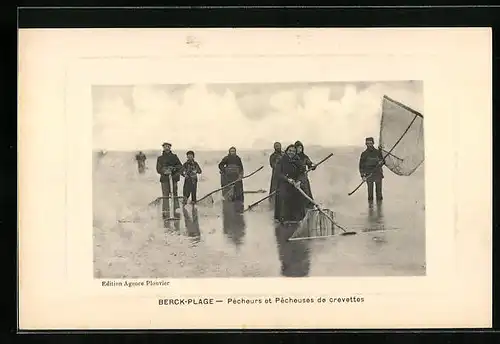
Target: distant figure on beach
[
  {"x": 190, "y": 171},
  {"x": 99, "y": 155},
  {"x": 305, "y": 185},
  {"x": 370, "y": 169},
  {"x": 168, "y": 165},
  {"x": 231, "y": 169},
  {"x": 273, "y": 160},
  {"x": 289, "y": 202},
  {"x": 141, "y": 162}
]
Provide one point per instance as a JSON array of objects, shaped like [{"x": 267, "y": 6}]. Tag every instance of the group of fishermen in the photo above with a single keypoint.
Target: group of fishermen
[
  {"x": 170, "y": 168},
  {"x": 289, "y": 173}
]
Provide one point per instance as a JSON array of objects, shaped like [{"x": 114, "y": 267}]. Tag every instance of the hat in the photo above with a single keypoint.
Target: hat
[
  {"x": 370, "y": 139},
  {"x": 166, "y": 144},
  {"x": 190, "y": 152}
]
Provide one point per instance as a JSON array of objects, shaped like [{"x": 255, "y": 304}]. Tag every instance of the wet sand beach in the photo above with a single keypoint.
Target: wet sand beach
[{"x": 218, "y": 241}]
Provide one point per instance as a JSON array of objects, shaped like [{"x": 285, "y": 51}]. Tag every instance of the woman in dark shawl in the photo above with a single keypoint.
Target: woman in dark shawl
[
  {"x": 305, "y": 185},
  {"x": 273, "y": 160},
  {"x": 231, "y": 169},
  {"x": 289, "y": 202}
]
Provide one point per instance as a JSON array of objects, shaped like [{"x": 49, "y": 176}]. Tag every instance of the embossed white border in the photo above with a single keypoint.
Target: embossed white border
[{"x": 436, "y": 56}]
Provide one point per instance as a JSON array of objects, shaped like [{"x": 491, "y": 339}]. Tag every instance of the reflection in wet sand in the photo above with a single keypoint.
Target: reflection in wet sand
[
  {"x": 171, "y": 224},
  {"x": 144, "y": 244},
  {"x": 294, "y": 255},
  {"x": 167, "y": 204},
  {"x": 192, "y": 224},
  {"x": 233, "y": 221},
  {"x": 375, "y": 219}
]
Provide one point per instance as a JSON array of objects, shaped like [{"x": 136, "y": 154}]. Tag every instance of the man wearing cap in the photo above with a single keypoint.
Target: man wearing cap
[
  {"x": 168, "y": 164},
  {"x": 370, "y": 169}
]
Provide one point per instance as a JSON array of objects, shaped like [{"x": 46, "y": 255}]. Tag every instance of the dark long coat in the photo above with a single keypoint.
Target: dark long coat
[
  {"x": 305, "y": 184},
  {"x": 273, "y": 160},
  {"x": 370, "y": 163},
  {"x": 231, "y": 169},
  {"x": 289, "y": 202},
  {"x": 171, "y": 161}
]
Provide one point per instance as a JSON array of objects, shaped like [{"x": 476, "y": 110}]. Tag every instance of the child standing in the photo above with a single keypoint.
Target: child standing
[{"x": 190, "y": 171}]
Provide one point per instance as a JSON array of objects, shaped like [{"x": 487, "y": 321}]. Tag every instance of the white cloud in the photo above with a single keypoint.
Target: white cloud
[{"x": 203, "y": 119}]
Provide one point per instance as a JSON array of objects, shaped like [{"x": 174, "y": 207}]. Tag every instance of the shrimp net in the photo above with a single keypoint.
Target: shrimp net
[
  {"x": 401, "y": 139},
  {"x": 315, "y": 225}
]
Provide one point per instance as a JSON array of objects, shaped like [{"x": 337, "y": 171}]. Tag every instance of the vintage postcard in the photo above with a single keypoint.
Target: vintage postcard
[{"x": 255, "y": 178}]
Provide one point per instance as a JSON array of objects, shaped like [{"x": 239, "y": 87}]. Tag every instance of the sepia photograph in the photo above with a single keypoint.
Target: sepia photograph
[{"x": 258, "y": 180}]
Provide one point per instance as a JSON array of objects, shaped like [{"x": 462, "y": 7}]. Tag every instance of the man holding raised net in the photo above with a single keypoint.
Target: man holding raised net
[{"x": 370, "y": 169}]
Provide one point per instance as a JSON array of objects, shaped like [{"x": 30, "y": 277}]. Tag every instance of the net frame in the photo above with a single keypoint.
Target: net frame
[
  {"x": 393, "y": 161},
  {"x": 392, "y": 167}
]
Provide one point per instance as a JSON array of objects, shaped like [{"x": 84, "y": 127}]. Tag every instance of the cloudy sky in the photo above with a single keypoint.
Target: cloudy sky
[{"x": 248, "y": 116}]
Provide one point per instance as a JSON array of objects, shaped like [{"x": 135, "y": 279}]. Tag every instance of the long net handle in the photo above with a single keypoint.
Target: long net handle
[
  {"x": 171, "y": 198},
  {"x": 230, "y": 184},
  {"x": 356, "y": 189},
  {"x": 386, "y": 155},
  {"x": 322, "y": 160},
  {"x": 259, "y": 201}
]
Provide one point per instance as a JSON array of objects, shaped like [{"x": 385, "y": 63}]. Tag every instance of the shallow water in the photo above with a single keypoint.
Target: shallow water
[{"x": 216, "y": 241}]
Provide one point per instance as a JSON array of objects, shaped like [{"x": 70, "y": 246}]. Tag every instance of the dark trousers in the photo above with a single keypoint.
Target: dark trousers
[
  {"x": 189, "y": 189},
  {"x": 378, "y": 189},
  {"x": 165, "y": 190}
]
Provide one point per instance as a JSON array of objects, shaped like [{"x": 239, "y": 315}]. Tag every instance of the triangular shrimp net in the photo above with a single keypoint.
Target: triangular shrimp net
[
  {"x": 401, "y": 137},
  {"x": 315, "y": 225}
]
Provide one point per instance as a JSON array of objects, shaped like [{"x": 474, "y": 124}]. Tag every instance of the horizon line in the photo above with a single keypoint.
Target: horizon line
[{"x": 212, "y": 150}]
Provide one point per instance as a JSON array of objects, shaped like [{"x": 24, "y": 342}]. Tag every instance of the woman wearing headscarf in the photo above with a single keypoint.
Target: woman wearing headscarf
[
  {"x": 231, "y": 169},
  {"x": 305, "y": 185},
  {"x": 273, "y": 160},
  {"x": 289, "y": 202}
]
